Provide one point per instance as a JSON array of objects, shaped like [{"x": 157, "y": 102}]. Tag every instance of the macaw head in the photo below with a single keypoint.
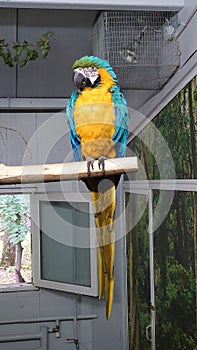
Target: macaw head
[{"x": 87, "y": 72}]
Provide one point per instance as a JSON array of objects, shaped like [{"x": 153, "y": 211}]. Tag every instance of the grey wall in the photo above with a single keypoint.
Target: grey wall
[
  {"x": 34, "y": 138},
  {"x": 51, "y": 77},
  {"x": 47, "y": 141},
  {"x": 95, "y": 334},
  {"x": 8, "y": 32}
]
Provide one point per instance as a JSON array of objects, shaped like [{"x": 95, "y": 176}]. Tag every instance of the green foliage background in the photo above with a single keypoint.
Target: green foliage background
[
  {"x": 15, "y": 216},
  {"x": 24, "y": 52},
  {"x": 174, "y": 240}
]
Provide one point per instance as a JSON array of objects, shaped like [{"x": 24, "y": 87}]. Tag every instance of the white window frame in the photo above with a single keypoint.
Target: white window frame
[
  {"x": 11, "y": 190},
  {"x": 36, "y": 247}
]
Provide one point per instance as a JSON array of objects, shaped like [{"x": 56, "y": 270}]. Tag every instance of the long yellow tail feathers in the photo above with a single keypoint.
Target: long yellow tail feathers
[
  {"x": 109, "y": 282},
  {"x": 104, "y": 207},
  {"x": 101, "y": 275}
]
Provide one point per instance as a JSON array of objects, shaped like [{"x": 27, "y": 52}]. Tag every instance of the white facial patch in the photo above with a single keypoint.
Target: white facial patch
[
  {"x": 80, "y": 70},
  {"x": 91, "y": 73}
]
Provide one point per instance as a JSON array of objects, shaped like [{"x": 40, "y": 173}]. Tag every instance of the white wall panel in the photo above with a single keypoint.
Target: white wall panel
[
  {"x": 37, "y": 138},
  {"x": 34, "y": 138},
  {"x": 14, "y": 139},
  {"x": 52, "y": 138},
  {"x": 187, "y": 10},
  {"x": 188, "y": 44},
  {"x": 18, "y": 306}
]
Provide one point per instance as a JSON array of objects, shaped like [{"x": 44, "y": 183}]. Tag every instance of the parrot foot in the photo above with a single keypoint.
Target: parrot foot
[
  {"x": 90, "y": 164},
  {"x": 101, "y": 163}
]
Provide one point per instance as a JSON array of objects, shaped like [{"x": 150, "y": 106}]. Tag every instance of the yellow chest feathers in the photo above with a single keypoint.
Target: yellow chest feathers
[{"x": 94, "y": 110}]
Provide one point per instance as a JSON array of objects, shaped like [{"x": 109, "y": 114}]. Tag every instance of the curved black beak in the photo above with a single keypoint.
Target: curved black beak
[{"x": 79, "y": 80}]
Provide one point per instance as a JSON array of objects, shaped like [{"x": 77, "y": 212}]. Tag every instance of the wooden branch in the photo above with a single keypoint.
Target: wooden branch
[{"x": 64, "y": 171}]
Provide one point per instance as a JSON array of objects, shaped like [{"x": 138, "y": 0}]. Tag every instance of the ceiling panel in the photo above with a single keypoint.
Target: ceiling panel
[{"x": 97, "y": 4}]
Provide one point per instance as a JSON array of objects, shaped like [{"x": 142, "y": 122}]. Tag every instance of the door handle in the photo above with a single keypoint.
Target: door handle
[{"x": 148, "y": 328}]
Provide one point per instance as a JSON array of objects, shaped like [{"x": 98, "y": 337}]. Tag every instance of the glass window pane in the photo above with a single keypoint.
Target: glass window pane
[
  {"x": 175, "y": 263},
  {"x": 175, "y": 281},
  {"x": 64, "y": 233}
]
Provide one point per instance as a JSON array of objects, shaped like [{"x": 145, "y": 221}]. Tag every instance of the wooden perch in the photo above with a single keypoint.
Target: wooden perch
[{"x": 64, "y": 171}]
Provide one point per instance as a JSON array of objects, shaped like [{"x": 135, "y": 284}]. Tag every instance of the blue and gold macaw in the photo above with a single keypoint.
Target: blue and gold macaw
[{"x": 98, "y": 123}]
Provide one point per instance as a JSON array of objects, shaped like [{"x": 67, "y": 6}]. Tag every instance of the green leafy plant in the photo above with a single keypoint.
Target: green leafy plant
[
  {"x": 15, "y": 216},
  {"x": 44, "y": 43},
  {"x": 22, "y": 53},
  {"x": 5, "y": 53},
  {"x": 15, "y": 221}
]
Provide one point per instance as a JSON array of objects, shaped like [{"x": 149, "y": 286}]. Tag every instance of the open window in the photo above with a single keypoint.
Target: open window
[{"x": 63, "y": 243}]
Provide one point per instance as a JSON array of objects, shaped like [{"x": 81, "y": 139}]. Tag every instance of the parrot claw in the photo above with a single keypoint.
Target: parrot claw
[
  {"x": 90, "y": 164},
  {"x": 101, "y": 163}
]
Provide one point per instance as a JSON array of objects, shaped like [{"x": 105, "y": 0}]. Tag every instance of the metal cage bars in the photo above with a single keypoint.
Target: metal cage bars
[{"x": 141, "y": 46}]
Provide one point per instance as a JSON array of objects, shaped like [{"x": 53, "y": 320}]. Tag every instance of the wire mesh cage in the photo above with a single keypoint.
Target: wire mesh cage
[{"x": 141, "y": 46}]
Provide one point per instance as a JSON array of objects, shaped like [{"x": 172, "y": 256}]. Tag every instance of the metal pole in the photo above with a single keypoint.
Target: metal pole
[
  {"x": 50, "y": 319},
  {"x": 152, "y": 283},
  {"x": 20, "y": 337},
  {"x": 44, "y": 338}
]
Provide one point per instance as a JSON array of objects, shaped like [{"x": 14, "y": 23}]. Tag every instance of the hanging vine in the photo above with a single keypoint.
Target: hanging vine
[{"x": 22, "y": 53}]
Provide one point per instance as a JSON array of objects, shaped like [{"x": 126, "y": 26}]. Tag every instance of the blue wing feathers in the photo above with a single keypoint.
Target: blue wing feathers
[
  {"x": 121, "y": 121},
  {"x": 74, "y": 138}
]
